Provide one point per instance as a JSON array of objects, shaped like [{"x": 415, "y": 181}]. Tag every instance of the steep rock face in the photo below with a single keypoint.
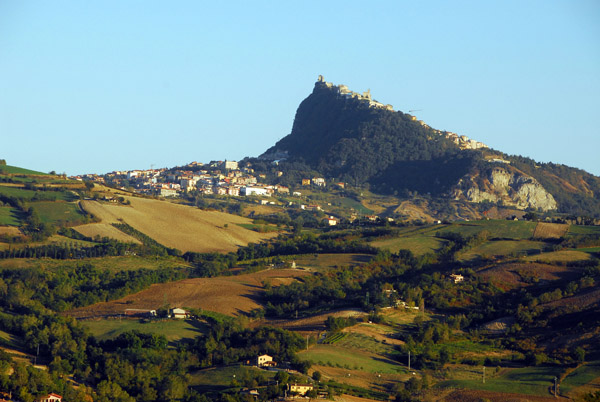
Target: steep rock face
[{"x": 510, "y": 186}]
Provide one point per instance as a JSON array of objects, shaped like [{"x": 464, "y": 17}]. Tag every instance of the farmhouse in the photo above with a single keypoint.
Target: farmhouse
[
  {"x": 178, "y": 313},
  {"x": 264, "y": 360},
  {"x": 456, "y": 278},
  {"x": 332, "y": 221},
  {"x": 50, "y": 398},
  {"x": 301, "y": 389},
  {"x": 318, "y": 181}
]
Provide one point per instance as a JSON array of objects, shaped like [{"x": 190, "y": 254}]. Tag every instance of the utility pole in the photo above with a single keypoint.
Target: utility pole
[
  {"x": 409, "y": 360},
  {"x": 306, "y": 342},
  {"x": 484, "y": 374},
  {"x": 555, "y": 379}
]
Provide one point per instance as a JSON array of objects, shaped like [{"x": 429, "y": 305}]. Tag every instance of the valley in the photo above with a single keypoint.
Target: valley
[
  {"x": 347, "y": 304},
  {"x": 366, "y": 256}
]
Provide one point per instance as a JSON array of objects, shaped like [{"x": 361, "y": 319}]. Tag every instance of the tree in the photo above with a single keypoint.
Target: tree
[
  {"x": 282, "y": 376},
  {"x": 580, "y": 354},
  {"x": 316, "y": 376}
]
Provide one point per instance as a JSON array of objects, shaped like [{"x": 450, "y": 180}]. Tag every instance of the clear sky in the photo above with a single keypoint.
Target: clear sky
[{"x": 97, "y": 86}]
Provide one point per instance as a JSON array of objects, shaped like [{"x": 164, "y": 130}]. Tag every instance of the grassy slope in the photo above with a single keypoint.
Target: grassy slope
[
  {"x": 17, "y": 170},
  {"x": 351, "y": 358},
  {"x": 560, "y": 256},
  {"x": 221, "y": 378},
  {"x": 503, "y": 248},
  {"x": 9, "y": 216},
  {"x": 121, "y": 263},
  {"x": 419, "y": 245},
  {"x": 579, "y": 230},
  {"x": 64, "y": 213},
  {"x": 324, "y": 262},
  {"x": 173, "y": 330},
  {"x": 501, "y": 229},
  {"x": 527, "y": 380}
]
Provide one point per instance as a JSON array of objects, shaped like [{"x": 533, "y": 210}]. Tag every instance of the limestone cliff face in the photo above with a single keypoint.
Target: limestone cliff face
[{"x": 508, "y": 185}]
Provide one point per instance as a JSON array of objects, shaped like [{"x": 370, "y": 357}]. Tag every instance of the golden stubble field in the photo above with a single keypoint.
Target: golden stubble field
[
  {"x": 173, "y": 225},
  {"x": 546, "y": 230},
  {"x": 231, "y": 295}
]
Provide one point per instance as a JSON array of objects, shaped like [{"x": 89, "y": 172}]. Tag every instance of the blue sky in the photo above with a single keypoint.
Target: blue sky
[{"x": 91, "y": 87}]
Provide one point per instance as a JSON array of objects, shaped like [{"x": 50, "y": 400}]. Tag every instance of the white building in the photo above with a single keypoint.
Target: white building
[
  {"x": 248, "y": 191},
  {"x": 229, "y": 165},
  {"x": 178, "y": 313},
  {"x": 263, "y": 360}
]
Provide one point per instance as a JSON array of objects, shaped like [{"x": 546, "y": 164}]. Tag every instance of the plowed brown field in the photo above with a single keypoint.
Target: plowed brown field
[
  {"x": 231, "y": 295},
  {"x": 179, "y": 226},
  {"x": 523, "y": 274},
  {"x": 545, "y": 230}
]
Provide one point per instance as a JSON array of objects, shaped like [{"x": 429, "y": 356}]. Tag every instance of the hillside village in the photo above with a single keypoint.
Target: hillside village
[{"x": 218, "y": 178}]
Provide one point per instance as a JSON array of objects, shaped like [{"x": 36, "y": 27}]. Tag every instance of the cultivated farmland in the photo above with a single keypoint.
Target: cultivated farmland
[
  {"x": 544, "y": 230},
  {"x": 105, "y": 230},
  {"x": 231, "y": 295},
  {"x": 179, "y": 226}
]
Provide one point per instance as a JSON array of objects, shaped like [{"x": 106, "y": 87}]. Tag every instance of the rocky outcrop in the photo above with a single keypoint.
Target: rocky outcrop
[{"x": 508, "y": 186}]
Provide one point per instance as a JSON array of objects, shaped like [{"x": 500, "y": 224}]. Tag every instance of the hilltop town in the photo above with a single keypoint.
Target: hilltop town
[
  {"x": 214, "y": 178},
  {"x": 343, "y": 92}
]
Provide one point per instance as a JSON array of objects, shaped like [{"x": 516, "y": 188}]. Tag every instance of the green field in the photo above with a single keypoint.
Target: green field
[
  {"x": 352, "y": 203},
  {"x": 173, "y": 330},
  {"x": 400, "y": 317},
  {"x": 560, "y": 256},
  {"x": 350, "y": 358},
  {"x": 260, "y": 228},
  {"x": 17, "y": 192},
  {"x": 59, "y": 213},
  {"x": 9, "y": 216},
  {"x": 117, "y": 263},
  {"x": 501, "y": 248},
  {"x": 501, "y": 229},
  {"x": 419, "y": 245},
  {"x": 528, "y": 380},
  {"x": 366, "y": 343},
  {"x": 580, "y": 377},
  {"x": 579, "y": 230},
  {"x": 7, "y": 169},
  {"x": 466, "y": 348},
  {"x": 323, "y": 262},
  {"x": 221, "y": 378},
  {"x": 36, "y": 195}
]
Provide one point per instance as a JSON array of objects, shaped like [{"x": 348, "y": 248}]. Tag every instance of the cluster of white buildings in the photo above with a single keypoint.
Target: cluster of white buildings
[{"x": 220, "y": 178}]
